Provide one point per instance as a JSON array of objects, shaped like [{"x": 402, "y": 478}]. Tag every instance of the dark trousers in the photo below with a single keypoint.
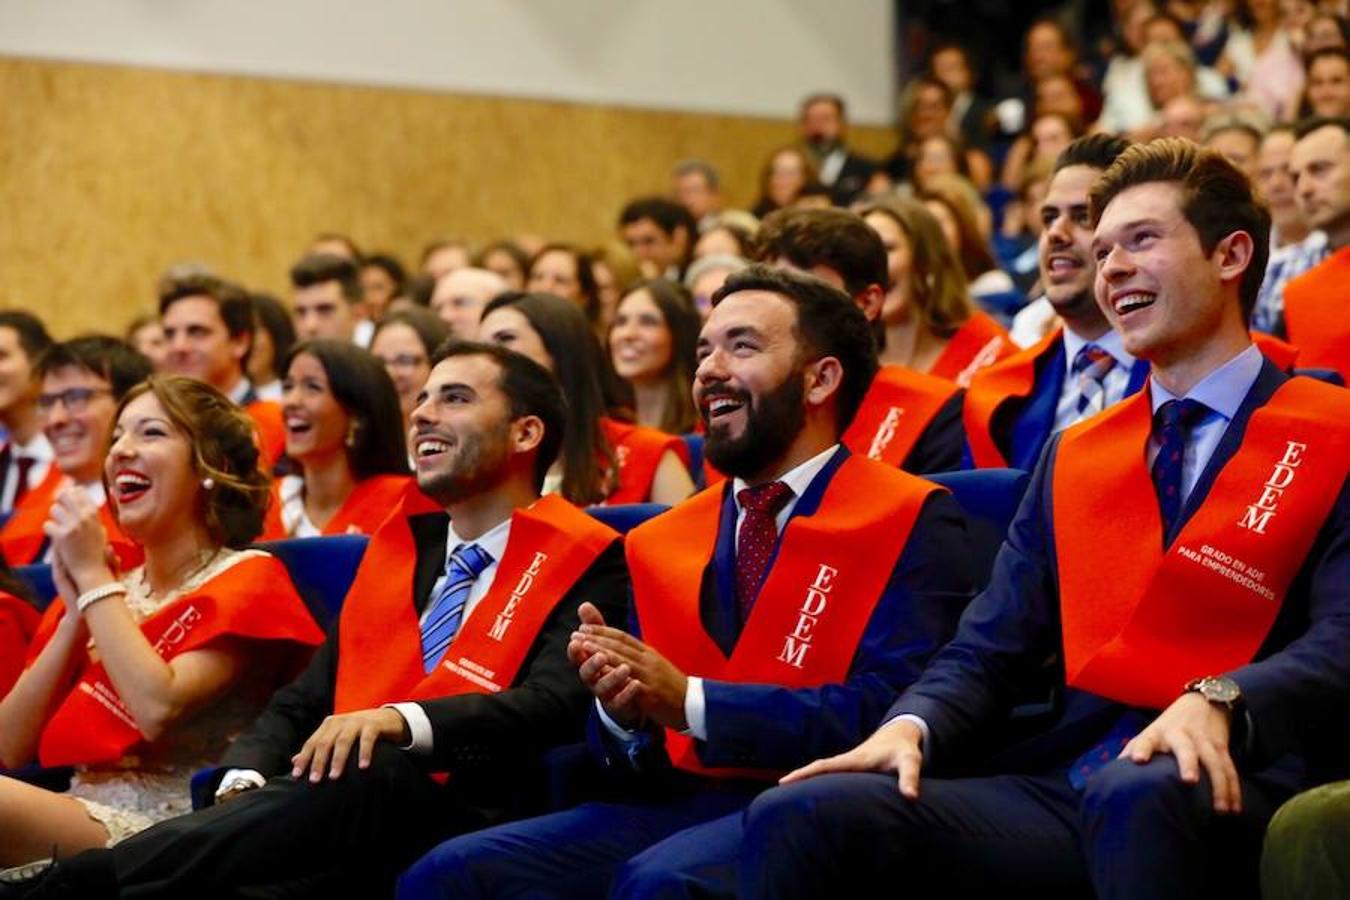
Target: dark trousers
[
  {"x": 1135, "y": 831},
  {"x": 349, "y": 837},
  {"x": 682, "y": 846}
]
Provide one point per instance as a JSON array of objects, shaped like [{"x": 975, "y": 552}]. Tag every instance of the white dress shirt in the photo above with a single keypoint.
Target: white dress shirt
[{"x": 39, "y": 450}]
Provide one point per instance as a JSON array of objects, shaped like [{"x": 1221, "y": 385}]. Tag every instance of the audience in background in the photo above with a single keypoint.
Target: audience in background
[
  {"x": 405, "y": 341},
  {"x": 147, "y": 336},
  {"x": 614, "y": 268},
  {"x": 1294, "y": 246},
  {"x": 603, "y": 459},
  {"x": 345, "y": 443},
  {"x": 1328, "y": 92},
  {"x": 83, "y": 381},
  {"x": 706, "y": 275},
  {"x": 382, "y": 278},
  {"x": 335, "y": 244},
  {"x": 566, "y": 271},
  {"x": 966, "y": 224},
  {"x": 273, "y": 336},
  {"x": 460, "y": 296},
  {"x": 660, "y": 234},
  {"x": 822, "y": 123},
  {"x": 26, "y": 457},
  {"x": 695, "y": 185},
  {"x": 443, "y": 256},
  {"x": 651, "y": 345},
  {"x": 787, "y": 172},
  {"x": 326, "y": 300},
  {"x": 507, "y": 261},
  {"x": 730, "y": 235}
]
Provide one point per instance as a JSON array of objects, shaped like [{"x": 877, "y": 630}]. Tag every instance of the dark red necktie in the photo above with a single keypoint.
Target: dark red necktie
[{"x": 758, "y": 534}]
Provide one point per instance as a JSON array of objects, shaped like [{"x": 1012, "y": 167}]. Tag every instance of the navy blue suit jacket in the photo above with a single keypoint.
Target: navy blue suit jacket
[
  {"x": 766, "y": 726},
  {"x": 1297, "y": 690},
  {"x": 1021, "y": 426}
]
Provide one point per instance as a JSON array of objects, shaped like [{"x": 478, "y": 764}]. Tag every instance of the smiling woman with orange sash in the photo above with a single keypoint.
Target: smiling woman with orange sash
[
  {"x": 83, "y": 380},
  {"x": 137, "y": 680},
  {"x": 345, "y": 440}
]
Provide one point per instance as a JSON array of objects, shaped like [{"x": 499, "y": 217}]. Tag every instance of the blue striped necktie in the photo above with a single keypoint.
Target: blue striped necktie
[
  {"x": 447, "y": 608},
  {"x": 1091, "y": 367}
]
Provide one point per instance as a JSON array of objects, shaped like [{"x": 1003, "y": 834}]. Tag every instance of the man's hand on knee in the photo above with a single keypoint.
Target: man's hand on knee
[
  {"x": 330, "y": 746},
  {"x": 894, "y": 747},
  {"x": 1196, "y": 732}
]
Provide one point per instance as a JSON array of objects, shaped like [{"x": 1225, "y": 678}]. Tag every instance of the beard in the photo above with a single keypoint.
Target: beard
[
  {"x": 771, "y": 425},
  {"x": 478, "y": 462}
]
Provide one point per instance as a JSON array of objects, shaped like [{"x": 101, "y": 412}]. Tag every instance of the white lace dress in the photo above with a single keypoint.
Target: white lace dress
[{"x": 134, "y": 793}]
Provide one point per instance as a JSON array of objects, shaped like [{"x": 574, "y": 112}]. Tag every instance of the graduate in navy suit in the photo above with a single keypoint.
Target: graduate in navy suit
[
  {"x": 780, "y": 615},
  {"x": 1200, "y": 623},
  {"x": 1082, "y": 367}
]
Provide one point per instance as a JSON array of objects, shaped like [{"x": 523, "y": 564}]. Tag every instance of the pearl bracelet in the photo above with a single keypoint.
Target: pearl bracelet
[{"x": 93, "y": 595}]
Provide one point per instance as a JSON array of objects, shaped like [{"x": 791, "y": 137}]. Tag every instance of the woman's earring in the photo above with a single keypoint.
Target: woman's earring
[{"x": 208, "y": 483}]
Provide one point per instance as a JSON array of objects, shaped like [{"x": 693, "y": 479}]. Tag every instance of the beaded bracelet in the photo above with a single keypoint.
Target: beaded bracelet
[{"x": 93, "y": 595}]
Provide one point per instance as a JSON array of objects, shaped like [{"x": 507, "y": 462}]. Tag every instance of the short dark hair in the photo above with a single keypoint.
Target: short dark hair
[
  {"x": 701, "y": 168},
  {"x": 1305, "y": 127},
  {"x": 825, "y": 237},
  {"x": 275, "y": 319},
  {"x": 667, "y": 214},
  {"x": 389, "y": 265},
  {"x": 829, "y": 323},
  {"x": 529, "y": 388},
  {"x": 1217, "y": 199},
  {"x": 32, "y": 334},
  {"x": 233, "y": 303},
  {"x": 825, "y": 97},
  {"x": 110, "y": 358},
  {"x": 362, "y": 387},
  {"x": 584, "y": 263},
  {"x": 318, "y": 268},
  {"x": 430, "y": 328},
  {"x": 1096, "y": 151}
]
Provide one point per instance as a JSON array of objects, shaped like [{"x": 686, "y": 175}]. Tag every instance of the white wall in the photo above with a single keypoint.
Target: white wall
[{"x": 752, "y": 57}]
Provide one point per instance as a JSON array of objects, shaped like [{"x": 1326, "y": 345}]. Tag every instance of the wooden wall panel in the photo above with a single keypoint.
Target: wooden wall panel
[{"x": 110, "y": 174}]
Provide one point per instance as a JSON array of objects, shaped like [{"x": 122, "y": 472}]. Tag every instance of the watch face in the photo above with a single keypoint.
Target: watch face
[{"x": 1220, "y": 690}]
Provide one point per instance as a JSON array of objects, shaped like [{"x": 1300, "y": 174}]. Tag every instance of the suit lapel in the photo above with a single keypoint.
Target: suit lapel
[{"x": 429, "y": 532}]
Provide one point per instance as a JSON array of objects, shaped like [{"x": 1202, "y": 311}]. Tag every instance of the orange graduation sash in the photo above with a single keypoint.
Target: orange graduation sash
[
  {"x": 365, "y": 509},
  {"x": 827, "y": 578},
  {"x": 252, "y": 599},
  {"x": 978, "y": 343},
  {"x": 552, "y": 544},
  {"x": 637, "y": 453},
  {"x": 271, "y": 431},
  {"x": 1140, "y": 620},
  {"x": 1315, "y": 314},
  {"x": 22, "y": 538},
  {"x": 896, "y": 409},
  {"x": 1281, "y": 353},
  {"x": 1014, "y": 376}
]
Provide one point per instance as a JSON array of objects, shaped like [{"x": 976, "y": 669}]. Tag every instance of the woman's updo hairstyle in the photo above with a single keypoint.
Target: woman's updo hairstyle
[{"x": 224, "y": 449}]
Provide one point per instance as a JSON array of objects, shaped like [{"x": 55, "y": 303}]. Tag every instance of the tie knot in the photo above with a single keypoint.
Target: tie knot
[
  {"x": 1182, "y": 414},
  {"x": 470, "y": 559},
  {"x": 765, "y": 498},
  {"x": 1093, "y": 360}
]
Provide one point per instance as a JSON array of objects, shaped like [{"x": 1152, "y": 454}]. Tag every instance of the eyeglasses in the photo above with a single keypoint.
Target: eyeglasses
[
  {"x": 76, "y": 400},
  {"x": 404, "y": 361}
]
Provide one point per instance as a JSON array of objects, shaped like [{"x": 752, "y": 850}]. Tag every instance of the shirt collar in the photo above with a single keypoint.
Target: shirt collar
[
  {"x": 1222, "y": 390},
  {"x": 491, "y": 542},
  {"x": 1111, "y": 342},
  {"x": 241, "y": 390},
  {"x": 798, "y": 479}
]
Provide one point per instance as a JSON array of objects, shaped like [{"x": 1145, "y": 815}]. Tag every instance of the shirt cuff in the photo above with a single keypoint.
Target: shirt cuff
[
  {"x": 696, "y": 709},
  {"x": 910, "y": 717},
  {"x": 620, "y": 733},
  {"x": 419, "y": 727},
  {"x": 235, "y": 777}
]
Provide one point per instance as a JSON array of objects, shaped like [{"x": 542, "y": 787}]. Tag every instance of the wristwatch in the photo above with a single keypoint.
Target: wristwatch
[{"x": 1219, "y": 690}]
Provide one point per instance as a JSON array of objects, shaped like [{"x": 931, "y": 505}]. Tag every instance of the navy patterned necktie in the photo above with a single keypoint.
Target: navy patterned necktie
[
  {"x": 446, "y": 611},
  {"x": 1172, "y": 425},
  {"x": 1090, "y": 367}
]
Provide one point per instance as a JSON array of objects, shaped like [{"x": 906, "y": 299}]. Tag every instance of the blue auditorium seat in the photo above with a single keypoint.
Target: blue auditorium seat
[
  {"x": 38, "y": 577},
  {"x": 322, "y": 569},
  {"x": 624, "y": 517},
  {"x": 694, "y": 443},
  {"x": 989, "y": 498}
]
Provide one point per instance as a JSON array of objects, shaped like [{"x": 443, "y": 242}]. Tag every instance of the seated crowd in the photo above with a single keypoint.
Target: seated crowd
[{"x": 796, "y": 680}]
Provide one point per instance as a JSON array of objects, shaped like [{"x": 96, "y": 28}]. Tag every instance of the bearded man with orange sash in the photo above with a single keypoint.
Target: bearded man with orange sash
[
  {"x": 908, "y": 419},
  {"x": 778, "y": 613},
  {"x": 1184, "y": 558},
  {"x": 443, "y": 680},
  {"x": 1317, "y": 303},
  {"x": 1079, "y": 369}
]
